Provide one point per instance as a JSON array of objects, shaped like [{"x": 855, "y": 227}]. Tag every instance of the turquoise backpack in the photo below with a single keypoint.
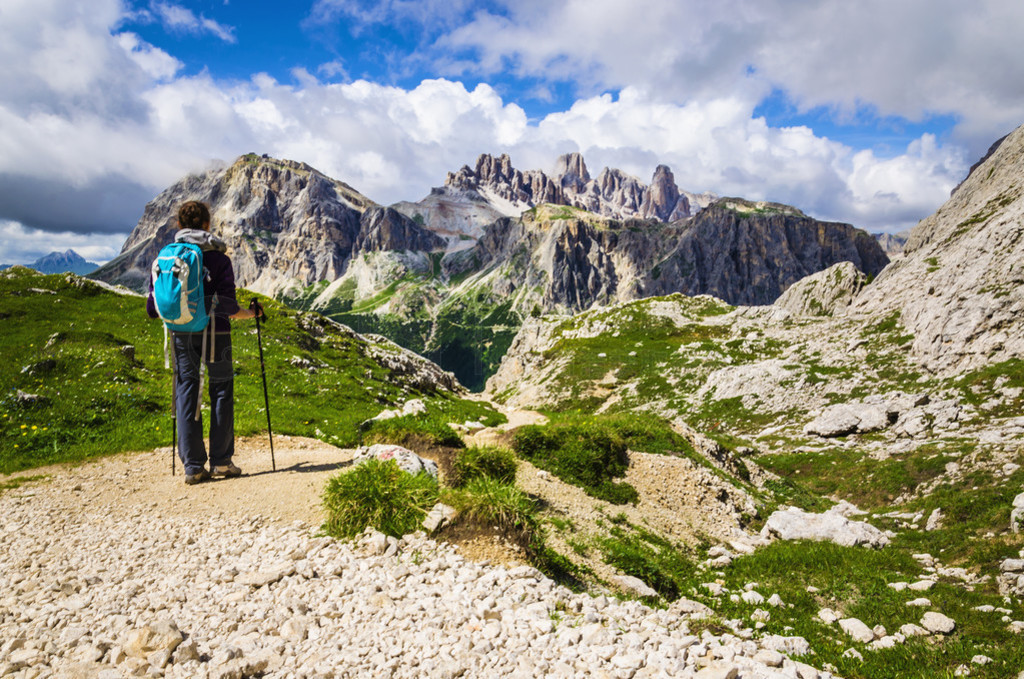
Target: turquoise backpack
[{"x": 178, "y": 277}]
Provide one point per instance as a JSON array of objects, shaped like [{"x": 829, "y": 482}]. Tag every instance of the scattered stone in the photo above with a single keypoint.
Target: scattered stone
[
  {"x": 769, "y": 657},
  {"x": 919, "y": 602},
  {"x": 634, "y": 586},
  {"x": 937, "y": 623},
  {"x": 857, "y": 630},
  {"x": 981, "y": 660},
  {"x": 717, "y": 671},
  {"x": 912, "y": 630},
  {"x": 921, "y": 585},
  {"x": 440, "y": 515},
  {"x": 853, "y": 653},
  {"x": 1017, "y": 514},
  {"x": 934, "y": 520},
  {"x": 159, "y": 636},
  {"x": 752, "y": 597},
  {"x": 828, "y": 616}
]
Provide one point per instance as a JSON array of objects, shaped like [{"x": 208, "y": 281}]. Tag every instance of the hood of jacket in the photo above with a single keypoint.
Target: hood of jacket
[{"x": 204, "y": 239}]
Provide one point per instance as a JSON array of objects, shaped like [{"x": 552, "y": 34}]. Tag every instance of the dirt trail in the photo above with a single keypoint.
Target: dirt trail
[{"x": 128, "y": 481}]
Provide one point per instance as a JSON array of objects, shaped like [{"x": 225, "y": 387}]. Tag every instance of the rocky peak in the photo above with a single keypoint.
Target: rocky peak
[
  {"x": 662, "y": 201},
  {"x": 284, "y": 222},
  {"x": 572, "y": 172}
]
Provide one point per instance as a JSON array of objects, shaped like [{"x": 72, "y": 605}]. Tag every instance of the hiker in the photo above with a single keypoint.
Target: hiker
[{"x": 212, "y": 345}]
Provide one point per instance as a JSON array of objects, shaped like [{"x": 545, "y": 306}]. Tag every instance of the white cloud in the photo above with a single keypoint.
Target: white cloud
[
  {"x": 153, "y": 61},
  {"x": 911, "y": 58},
  {"x": 84, "y": 155},
  {"x": 178, "y": 18}
]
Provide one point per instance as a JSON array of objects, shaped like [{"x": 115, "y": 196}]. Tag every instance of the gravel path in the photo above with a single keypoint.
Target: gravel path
[{"x": 114, "y": 568}]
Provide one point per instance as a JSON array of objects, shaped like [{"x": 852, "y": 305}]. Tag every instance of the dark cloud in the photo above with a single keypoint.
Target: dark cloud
[{"x": 103, "y": 205}]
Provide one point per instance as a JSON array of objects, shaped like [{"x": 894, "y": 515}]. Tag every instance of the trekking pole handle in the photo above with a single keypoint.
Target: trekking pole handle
[{"x": 257, "y": 309}]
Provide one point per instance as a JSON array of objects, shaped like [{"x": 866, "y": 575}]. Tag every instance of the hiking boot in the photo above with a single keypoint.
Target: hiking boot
[
  {"x": 198, "y": 477},
  {"x": 227, "y": 471}
]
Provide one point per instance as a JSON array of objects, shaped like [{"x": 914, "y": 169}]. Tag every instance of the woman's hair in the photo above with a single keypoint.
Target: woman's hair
[{"x": 193, "y": 215}]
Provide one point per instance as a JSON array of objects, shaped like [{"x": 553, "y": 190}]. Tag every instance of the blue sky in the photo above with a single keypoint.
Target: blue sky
[{"x": 866, "y": 112}]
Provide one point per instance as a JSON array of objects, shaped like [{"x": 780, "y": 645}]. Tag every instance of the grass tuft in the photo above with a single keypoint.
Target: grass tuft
[
  {"x": 484, "y": 462},
  {"x": 377, "y": 493},
  {"x": 590, "y": 457}
]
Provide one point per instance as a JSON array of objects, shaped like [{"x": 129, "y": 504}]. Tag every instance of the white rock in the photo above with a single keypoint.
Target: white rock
[
  {"x": 768, "y": 657},
  {"x": 752, "y": 597},
  {"x": 919, "y": 602},
  {"x": 796, "y": 524},
  {"x": 921, "y": 585},
  {"x": 912, "y": 630},
  {"x": 828, "y": 616},
  {"x": 407, "y": 460},
  {"x": 937, "y": 623},
  {"x": 857, "y": 630},
  {"x": 853, "y": 653},
  {"x": 634, "y": 586},
  {"x": 981, "y": 660}
]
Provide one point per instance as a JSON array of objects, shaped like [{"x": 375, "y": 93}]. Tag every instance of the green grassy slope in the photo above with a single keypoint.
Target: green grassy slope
[{"x": 95, "y": 360}]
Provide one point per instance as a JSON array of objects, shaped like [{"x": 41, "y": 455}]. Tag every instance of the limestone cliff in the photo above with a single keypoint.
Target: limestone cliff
[
  {"x": 960, "y": 286},
  {"x": 740, "y": 252}
]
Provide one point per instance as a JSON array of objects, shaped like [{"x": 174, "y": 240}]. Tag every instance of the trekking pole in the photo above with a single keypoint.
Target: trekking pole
[
  {"x": 258, "y": 310},
  {"x": 174, "y": 414}
]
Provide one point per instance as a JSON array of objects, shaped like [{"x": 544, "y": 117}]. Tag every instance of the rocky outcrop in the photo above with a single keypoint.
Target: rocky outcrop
[
  {"x": 960, "y": 287},
  {"x": 892, "y": 243},
  {"x": 825, "y": 293},
  {"x": 285, "y": 224},
  {"x": 387, "y": 229}
]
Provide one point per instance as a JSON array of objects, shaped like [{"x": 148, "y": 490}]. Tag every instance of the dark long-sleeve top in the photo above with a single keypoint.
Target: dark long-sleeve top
[{"x": 220, "y": 285}]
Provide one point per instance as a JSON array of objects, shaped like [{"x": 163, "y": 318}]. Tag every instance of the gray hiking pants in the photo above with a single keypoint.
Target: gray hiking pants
[{"x": 188, "y": 353}]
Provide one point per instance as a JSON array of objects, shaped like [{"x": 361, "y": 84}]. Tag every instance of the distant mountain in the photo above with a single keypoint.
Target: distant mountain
[
  {"x": 472, "y": 198},
  {"x": 892, "y": 243},
  {"x": 60, "y": 262}
]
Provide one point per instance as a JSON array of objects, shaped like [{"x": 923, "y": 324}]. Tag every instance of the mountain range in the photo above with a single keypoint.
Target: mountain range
[
  {"x": 454, "y": 275},
  {"x": 60, "y": 262}
]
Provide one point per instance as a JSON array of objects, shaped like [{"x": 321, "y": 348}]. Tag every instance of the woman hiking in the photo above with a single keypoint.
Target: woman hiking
[{"x": 211, "y": 346}]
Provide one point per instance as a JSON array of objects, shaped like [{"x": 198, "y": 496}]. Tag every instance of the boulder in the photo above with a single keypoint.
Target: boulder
[
  {"x": 796, "y": 524},
  {"x": 407, "y": 460},
  {"x": 848, "y": 418}
]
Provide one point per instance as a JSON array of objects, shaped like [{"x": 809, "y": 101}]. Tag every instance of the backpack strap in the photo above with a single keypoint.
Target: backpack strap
[{"x": 167, "y": 360}]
